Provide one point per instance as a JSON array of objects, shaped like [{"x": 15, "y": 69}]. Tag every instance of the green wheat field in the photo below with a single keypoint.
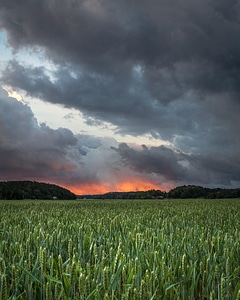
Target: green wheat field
[{"x": 121, "y": 249}]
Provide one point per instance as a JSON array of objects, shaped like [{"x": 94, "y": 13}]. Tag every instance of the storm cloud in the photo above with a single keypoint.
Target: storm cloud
[
  {"x": 170, "y": 69},
  {"x": 37, "y": 152},
  {"x": 33, "y": 151},
  {"x": 174, "y": 166}
]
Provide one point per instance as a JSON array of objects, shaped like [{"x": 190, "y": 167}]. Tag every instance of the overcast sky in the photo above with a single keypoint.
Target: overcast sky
[{"x": 120, "y": 95}]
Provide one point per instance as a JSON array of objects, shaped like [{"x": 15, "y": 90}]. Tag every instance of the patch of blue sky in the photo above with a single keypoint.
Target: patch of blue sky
[{"x": 5, "y": 51}]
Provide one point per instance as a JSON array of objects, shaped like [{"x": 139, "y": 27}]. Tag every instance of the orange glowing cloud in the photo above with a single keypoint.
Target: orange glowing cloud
[
  {"x": 136, "y": 185},
  {"x": 91, "y": 188},
  {"x": 129, "y": 185}
]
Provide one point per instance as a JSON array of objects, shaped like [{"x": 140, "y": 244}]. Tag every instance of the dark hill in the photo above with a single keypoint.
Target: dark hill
[
  {"x": 193, "y": 191},
  {"x": 17, "y": 190}
]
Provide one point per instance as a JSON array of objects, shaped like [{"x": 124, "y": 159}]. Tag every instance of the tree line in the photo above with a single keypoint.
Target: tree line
[
  {"x": 18, "y": 190},
  {"x": 180, "y": 192},
  {"x": 150, "y": 194},
  {"x": 193, "y": 191}
]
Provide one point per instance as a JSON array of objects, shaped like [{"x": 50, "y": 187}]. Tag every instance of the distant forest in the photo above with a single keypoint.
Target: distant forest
[
  {"x": 181, "y": 192},
  {"x": 17, "y": 190}
]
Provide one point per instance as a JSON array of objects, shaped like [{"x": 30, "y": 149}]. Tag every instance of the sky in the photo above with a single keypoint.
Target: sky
[{"x": 101, "y": 96}]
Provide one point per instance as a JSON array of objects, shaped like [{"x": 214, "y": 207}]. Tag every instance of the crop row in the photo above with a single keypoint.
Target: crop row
[{"x": 167, "y": 249}]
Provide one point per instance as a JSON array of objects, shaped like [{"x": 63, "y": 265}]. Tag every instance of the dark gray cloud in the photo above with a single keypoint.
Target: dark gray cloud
[
  {"x": 32, "y": 151},
  {"x": 191, "y": 121},
  {"x": 93, "y": 33},
  {"x": 158, "y": 160},
  {"x": 167, "y": 68},
  {"x": 28, "y": 149},
  {"x": 176, "y": 167}
]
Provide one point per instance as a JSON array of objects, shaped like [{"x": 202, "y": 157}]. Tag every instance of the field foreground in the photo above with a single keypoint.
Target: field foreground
[{"x": 138, "y": 249}]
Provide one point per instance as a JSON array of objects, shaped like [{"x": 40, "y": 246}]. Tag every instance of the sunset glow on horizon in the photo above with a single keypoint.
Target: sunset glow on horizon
[{"x": 126, "y": 186}]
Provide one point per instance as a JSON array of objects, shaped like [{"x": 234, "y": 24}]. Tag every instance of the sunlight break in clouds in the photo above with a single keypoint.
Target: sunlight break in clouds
[{"x": 13, "y": 94}]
